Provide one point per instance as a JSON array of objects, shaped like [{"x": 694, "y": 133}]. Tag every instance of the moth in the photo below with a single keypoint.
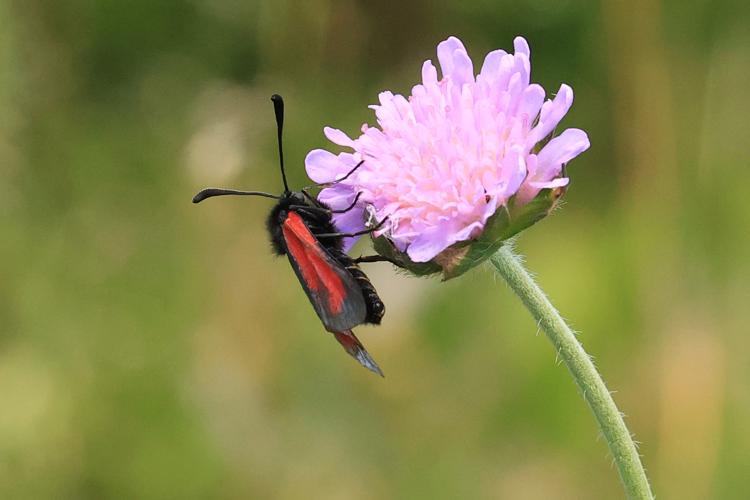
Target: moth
[{"x": 302, "y": 228}]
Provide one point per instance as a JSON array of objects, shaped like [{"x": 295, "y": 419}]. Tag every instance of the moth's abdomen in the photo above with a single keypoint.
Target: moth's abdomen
[{"x": 375, "y": 306}]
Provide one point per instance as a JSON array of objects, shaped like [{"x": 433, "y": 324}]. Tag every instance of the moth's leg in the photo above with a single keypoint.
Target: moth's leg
[
  {"x": 352, "y": 235},
  {"x": 348, "y": 173},
  {"x": 328, "y": 184},
  {"x": 375, "y": 258},
  {"x": 324, "y": 209},
  {"x": 343, "y": 211},
  {"x": 307, "y": 195},
  {"x": 310, "y": 210}
]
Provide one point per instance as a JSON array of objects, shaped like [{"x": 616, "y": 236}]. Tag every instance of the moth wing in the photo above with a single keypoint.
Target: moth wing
[
  {"x": 334, "y": 293},
  {"x": 354, "y": 347}
]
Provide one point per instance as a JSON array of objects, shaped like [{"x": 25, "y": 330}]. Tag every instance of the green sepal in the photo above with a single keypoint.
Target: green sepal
[
  {"x": 384, "y": 247},
  {"x": 458, "y": 258}
]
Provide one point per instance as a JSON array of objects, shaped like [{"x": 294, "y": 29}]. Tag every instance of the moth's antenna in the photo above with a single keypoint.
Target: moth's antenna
[
  {"x": 278, "y": 107},
  {"x": 210, "y": 192}
]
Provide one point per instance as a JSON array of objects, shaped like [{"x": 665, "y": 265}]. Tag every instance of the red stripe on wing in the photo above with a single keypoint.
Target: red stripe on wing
[{"x": 313, "y": 262}]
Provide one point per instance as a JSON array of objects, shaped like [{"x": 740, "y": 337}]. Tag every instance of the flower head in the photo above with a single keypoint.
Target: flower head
[{"x": 443, "y": 162}]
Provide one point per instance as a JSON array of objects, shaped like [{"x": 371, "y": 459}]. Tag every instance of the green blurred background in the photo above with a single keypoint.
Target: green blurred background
[{"x": 154, "y": 349}]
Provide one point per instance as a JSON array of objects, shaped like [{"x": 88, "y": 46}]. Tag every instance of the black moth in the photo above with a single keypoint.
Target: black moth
[{"x": 302, "y": 228}]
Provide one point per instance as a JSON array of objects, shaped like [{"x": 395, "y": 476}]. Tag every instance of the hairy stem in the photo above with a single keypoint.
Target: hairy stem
[{"x": 589, "y": 381}]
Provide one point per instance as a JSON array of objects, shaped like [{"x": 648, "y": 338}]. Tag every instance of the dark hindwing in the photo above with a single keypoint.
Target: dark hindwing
[{"x": 336, "y": 294}]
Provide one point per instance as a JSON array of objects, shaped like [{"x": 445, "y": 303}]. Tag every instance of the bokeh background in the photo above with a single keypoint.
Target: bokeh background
[{"x": 154, "y": 349}]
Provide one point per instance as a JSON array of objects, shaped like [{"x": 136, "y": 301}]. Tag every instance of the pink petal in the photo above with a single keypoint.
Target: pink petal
[
  {"x": 504, "y": 72},
  {"x": 455, "y": 62},
  {"x": 429, "y": 74},
  {"x": 491, "y": 66},
  {"x": 429, "y": 243},
  {"x": 338, "y": 196},
  {"x": 463, "y": 69},
  {"x": 531, "y": 100},
  {"x": 559, "y": 150},
  {"x": 336, "y": 136},
  {"x": 552, "y": 112},
  {"x": 436, "y": 155},
  {"x": 523, "y": 65},
  {"x": 521, "y": 46},
  {"x": 323, "y": 166},
  {"x": 554, "y": 183},
  {"x": 467, "y": 232},
  {"x": 350, "y": 222},
  {"x": 513, "y": 171}
]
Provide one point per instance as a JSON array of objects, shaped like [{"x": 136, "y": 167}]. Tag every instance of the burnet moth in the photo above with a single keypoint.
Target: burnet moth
[{"x": 302, "y": 228}]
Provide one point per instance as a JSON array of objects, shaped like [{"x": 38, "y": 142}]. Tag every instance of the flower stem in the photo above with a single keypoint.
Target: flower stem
[{"x": 582, "y": 368}]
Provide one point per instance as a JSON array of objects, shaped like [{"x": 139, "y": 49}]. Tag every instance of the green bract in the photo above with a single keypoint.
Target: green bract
[{"x": 457, "y": 259}]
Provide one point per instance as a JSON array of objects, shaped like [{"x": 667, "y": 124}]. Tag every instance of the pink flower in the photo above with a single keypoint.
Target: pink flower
[{"x": 444, "y": 160}]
